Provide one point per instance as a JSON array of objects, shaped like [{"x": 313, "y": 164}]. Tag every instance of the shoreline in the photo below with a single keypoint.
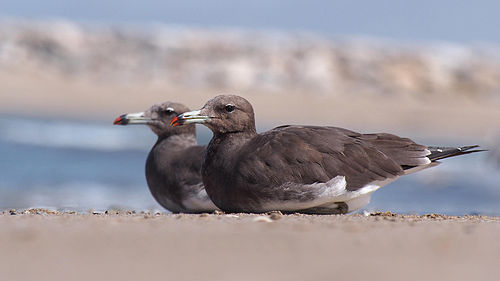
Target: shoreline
[{"x": 75, "y": 99}]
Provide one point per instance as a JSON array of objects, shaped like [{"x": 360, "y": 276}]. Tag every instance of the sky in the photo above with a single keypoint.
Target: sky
[{"x": 423, "y": 20}]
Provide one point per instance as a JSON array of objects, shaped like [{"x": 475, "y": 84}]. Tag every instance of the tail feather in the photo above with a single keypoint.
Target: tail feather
[{"x": 438, "y": 152}]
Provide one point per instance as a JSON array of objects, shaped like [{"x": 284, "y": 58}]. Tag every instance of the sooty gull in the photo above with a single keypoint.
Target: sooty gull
[
  {"x": 174, "y": 163},
  {"x": 307, "y": 169}
]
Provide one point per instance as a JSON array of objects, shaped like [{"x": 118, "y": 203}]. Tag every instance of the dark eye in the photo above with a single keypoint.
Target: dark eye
[
  {"x": 169, "y": 111},
  {"x": 229, "y": 107}
]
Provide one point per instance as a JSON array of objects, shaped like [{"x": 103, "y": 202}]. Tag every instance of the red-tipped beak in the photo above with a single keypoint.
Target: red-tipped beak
[
  {"x": 175, "y": 122},
  {"x": 188, "y": 118},
  {"x": 132, "y": 119},
  {"x": 121, "y": 120}
]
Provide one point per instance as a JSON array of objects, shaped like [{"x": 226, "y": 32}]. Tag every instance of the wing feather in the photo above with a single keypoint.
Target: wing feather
[{"x": 308, "y": 154}]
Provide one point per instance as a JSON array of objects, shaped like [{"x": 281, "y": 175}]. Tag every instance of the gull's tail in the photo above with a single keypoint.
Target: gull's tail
[{"x": 438, "y": 152}]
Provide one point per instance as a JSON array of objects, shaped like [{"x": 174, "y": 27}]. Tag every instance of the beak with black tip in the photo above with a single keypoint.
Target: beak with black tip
[
  {"x": 132, "y": 119},
  {"x": 189, "y": 118}
]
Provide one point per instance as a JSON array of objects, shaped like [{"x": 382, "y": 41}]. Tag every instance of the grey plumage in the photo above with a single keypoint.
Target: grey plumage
[
  {"x": 298, "y": 168},
  {"x": 174, "y": 162}
]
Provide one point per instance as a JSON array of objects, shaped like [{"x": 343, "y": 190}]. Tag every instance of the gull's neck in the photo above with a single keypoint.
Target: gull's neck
[{"x": 177, "y": 141}]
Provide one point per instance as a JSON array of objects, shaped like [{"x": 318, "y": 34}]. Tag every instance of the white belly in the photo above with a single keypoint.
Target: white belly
[{"x": 328, "y": 197}]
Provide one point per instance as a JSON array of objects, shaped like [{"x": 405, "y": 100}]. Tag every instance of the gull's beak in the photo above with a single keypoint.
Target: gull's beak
[
  {"x": 188, "y": 118},
  {"x": 132, "y": 118}
]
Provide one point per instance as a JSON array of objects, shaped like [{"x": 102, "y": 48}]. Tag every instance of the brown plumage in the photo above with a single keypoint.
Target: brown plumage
[
  {"x": 174, "y": 163},
  {"x": 297, "y": 168}
]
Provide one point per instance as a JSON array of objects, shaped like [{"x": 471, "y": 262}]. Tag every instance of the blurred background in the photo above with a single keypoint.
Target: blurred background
[{"x": 428, "y": 70}]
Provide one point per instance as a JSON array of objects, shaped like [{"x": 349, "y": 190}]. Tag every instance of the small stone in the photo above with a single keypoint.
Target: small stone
[
  {"x": 94, "y": 212},
  {"x": 390, "y": 219},
  {"x": 276, "y": 215},
  {"x": 218, "y": 212},
  {"x": 435, "y": 216},
  {"x": 262, "y": 219}
]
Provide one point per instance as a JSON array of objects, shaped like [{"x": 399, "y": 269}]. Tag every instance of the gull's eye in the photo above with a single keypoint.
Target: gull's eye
[
  {"x": 229, "y": 107},
  {"x": 169, "y": 111}
]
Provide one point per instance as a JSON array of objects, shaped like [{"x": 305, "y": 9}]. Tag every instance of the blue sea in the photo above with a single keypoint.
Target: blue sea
[{"x": 84, "y": 165}]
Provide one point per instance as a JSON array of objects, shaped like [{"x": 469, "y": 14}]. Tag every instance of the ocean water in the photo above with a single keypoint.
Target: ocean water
[{"x": 76, "y": 165}]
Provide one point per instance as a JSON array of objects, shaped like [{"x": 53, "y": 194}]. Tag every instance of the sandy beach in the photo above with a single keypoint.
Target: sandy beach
[{"x": 41, "y": 245}]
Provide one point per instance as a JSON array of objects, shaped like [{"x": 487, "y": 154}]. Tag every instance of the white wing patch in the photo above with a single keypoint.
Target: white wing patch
[
  {"x": 199, "y": 202},
  {"x": 328, "y": 194},
  {"x": 421, "y": 167}
]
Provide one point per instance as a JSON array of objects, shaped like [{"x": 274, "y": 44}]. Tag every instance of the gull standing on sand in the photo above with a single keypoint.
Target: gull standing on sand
[
  {"x": 174, "y": 163},
  {"x": 308, "y": 169}
]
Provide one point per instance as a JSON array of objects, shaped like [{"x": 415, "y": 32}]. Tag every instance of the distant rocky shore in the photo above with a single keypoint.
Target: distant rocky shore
[{"x": 246, "y": 60}]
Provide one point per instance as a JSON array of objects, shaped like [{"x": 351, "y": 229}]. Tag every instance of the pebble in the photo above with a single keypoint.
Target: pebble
[
  {"x": 276, "y": 215},
  {"x": 262, "y": 219}
]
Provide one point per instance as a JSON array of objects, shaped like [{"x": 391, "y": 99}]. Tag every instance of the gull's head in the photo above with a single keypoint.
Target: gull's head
[
  {"x": 158, "y": 117},
  {"x": 222, "y": 114}
]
